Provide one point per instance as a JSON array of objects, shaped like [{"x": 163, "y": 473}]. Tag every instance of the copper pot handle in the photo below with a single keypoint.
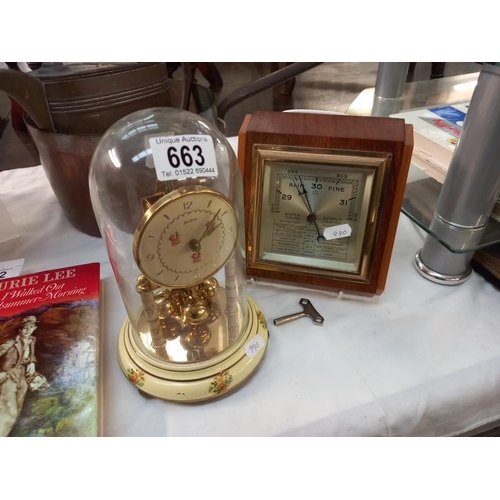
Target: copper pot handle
[{"x": 30, "y": 94}]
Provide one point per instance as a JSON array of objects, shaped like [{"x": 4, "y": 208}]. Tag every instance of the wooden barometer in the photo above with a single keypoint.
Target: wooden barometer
[{"x": 323, "y": 195}]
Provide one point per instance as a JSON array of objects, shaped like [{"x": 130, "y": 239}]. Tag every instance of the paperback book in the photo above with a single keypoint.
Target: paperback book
[
  {"x": 436, "y": 132},
  {"x": 49, "y": 353}
]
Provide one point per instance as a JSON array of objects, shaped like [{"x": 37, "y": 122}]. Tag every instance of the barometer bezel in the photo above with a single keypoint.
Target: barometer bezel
[{"x": 267, "y": 158}]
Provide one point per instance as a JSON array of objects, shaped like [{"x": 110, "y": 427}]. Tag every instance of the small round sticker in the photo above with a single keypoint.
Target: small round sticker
[{"x": 336, "y": 232}]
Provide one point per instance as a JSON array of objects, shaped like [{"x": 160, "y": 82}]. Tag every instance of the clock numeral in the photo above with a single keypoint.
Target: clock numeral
[
  {"x": 188, "y": 205},
  {"x": 150, "y": 257}
]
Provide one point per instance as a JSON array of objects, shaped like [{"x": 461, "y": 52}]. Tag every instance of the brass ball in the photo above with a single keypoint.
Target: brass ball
[
  {"x": 196, "y": 336},
  {"x": 207, "y": 289},
  {"x": 164, "y": 306},
  {"x": 195, "y": 313},
  {"x": 178, "y": 301},
  {"x": 170, "y": 328}
]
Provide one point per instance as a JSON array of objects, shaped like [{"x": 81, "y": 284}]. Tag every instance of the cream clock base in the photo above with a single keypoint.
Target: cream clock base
[{"x": 225, "y": 374}]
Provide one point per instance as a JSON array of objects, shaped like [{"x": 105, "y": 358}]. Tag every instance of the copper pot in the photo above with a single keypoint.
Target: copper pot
[
  {"x": 66, "y": 158},
  {"x": 86, "y": 98}
]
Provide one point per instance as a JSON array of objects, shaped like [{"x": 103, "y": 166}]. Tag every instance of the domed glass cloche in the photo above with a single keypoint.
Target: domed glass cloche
[{"x": 167, "y": 193}]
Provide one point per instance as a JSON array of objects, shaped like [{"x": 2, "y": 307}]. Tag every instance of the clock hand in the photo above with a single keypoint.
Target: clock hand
[
  {"x": 209, "y": 226},
  {"x": 311, "y": 217},
  {"x": 195, "y": 244}
]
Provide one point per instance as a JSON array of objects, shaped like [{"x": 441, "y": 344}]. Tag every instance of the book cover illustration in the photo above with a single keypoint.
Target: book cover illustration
[
  {"x": 49, "y": 353},
  {"x": 441, "y": 124},
  {"x": 449, "y": 120}
]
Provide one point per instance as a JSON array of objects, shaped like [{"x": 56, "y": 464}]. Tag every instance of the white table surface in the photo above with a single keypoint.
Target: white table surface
[{"x": 420, "y": 360}]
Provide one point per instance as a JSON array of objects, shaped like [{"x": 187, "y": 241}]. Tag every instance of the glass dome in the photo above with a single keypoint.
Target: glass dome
[{"x": 167, "y": 193}]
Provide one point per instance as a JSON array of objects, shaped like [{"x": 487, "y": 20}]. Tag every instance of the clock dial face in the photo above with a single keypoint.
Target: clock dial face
[
  {"x": 306, "y": 210},
  {"x": 186, "y": 237}
]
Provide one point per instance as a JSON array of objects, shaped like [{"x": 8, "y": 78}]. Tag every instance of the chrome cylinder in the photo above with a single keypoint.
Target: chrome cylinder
[
  {"x": 470, "y": 189},
  {"x": 391, "y": 79},
  {"x": 389, "y": 86}
]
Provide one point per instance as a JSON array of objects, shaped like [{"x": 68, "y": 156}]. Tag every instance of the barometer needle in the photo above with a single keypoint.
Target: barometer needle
[
  {"x": 312, "y": 216},
  {"x": 303, "y": 195}
]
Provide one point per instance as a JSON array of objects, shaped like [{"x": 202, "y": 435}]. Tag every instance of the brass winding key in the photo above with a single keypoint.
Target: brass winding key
[{"x": 309, "y": 311}]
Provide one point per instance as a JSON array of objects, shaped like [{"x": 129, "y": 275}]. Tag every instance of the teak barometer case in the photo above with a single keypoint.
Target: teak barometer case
[
  {"x": 322, "y": 197},
  {"x": 167, "y": 193}
]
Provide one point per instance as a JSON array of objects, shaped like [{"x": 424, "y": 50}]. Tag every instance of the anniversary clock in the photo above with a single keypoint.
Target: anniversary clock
[
  {"x": 322, "y": 197},
  {"x": 167, "y": 193}
]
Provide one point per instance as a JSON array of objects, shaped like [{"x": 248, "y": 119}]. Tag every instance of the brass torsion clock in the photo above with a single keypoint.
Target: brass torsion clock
[{"x": 191, "y": 332}]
